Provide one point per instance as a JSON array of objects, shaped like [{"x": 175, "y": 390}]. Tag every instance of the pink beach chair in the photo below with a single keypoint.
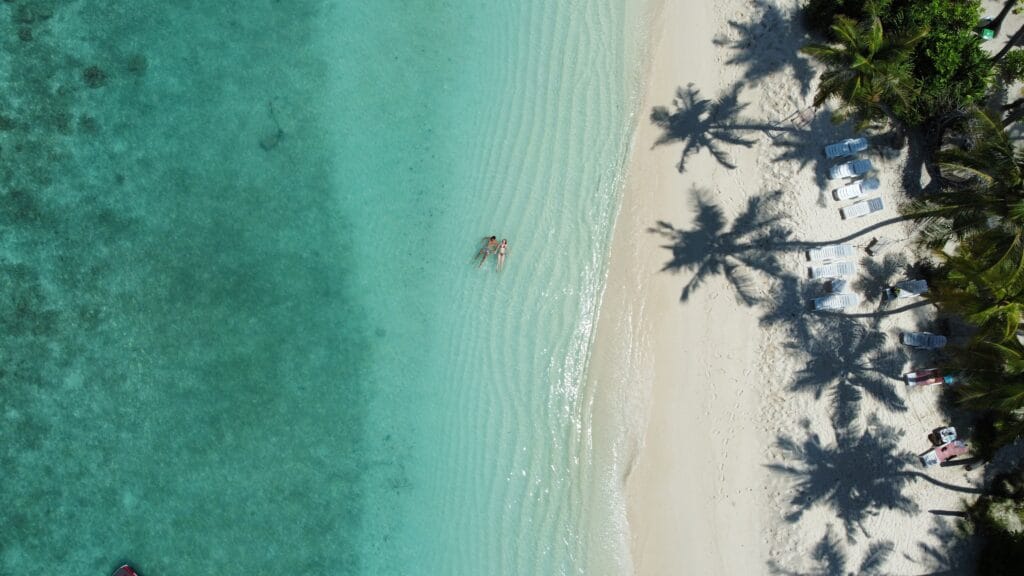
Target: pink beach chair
[{"x": 943, "y": 453}]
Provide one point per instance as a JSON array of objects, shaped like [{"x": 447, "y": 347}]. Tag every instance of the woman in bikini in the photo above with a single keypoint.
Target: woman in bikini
[
  {"x": 490, "y": 247},
  {"x": 501, "y": 253}
]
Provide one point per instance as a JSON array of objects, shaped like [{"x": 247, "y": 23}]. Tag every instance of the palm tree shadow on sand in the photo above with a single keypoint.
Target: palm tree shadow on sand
[
  {"x": 709, "y": 248},
  {"x": 848, "y": 361},
  {"x": 955, "y": 552},
  {"x": 856, "y": 477},
  {"x": 768, "y": 44},
  {"x": 830, "y": 559},
  {"x": 700, "y": 123}
]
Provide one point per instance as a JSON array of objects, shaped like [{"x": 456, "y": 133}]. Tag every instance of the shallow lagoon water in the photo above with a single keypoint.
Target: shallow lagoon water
[{"x": 242, "y": 328}]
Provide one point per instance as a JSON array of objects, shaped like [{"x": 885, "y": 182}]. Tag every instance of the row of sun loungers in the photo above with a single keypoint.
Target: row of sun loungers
[
  {"x": 833, "y": 265},
  {"x": 852, "y": 169},
  {"x": 830, "y": 263},
  {"x": 946, "y": 442}
]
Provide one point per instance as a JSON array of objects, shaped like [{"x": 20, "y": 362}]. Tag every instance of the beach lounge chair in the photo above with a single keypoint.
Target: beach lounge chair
[
  {"x": 836, "y": 301},
  {"x": 862, "y": 208},
  {"x": 906, "y": 289},
  {"x": 839, "y": 269},
  {"x": 927, "y": 378},
  {"x": 943, "y": 453},
  {"x": 833, "y": 252},
  {"x": 847, "y": 147},
  {"x": 850, "y": 169},
  {"x": 923, "y": 340},
  {"x": 855, "y": 190}
]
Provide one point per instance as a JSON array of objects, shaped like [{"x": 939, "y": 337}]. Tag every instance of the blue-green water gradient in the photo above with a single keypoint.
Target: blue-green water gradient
[{"x": 242, "y": 329}]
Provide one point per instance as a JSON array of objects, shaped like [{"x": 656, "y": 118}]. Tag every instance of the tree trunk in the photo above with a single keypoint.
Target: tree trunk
[
  {"x": 1013, "y": 41},
  {"x": 1013, "y": 105},
  {"x": 1014, "y": 115}
]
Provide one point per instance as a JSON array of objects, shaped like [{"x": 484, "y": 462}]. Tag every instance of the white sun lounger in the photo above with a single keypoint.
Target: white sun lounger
[
  {"x": 836, "y": 301},
  {"x": 839, "y": 269},
  {"x": 906, "y": 289},
  {"x": 851, "y": 191},
  {"x": 833, "y": 252},
  {"x": 850, "y": 169},
  {"x": 862, "y": 208},
  {"x": 847, "y": 147},
  {"x": 925, "y": 340}
]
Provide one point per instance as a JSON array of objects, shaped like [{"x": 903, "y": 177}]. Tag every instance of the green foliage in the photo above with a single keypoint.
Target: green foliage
[
  {"x": 1011, "y": 68},
  {"x": 819, "y": 15},
  {"x": 1002, "y": 543},
  {"x": 949, "y": 67},
  {"x": 950, "y": 61},
  {"x": 868, "y": 71}
]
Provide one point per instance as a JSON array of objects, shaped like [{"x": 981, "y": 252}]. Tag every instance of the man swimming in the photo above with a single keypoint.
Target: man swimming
[{"x": 490, "y": 247}]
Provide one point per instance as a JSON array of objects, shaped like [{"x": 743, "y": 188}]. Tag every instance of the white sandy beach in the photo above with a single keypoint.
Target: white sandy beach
[{"x": 757, "y": 436}]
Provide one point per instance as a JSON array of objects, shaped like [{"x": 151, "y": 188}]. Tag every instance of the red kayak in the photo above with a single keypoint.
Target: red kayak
[{"x": 125, "y": 570}]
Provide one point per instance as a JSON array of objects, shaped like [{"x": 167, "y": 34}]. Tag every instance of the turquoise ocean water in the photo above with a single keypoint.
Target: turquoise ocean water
[{"x": 242, "y": 331}]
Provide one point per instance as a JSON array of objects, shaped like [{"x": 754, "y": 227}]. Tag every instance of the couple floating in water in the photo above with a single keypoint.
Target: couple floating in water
[{"x": 491, "y": 246}]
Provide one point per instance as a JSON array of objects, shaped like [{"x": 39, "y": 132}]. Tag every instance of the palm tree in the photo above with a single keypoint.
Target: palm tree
[
  {"x": 983, "y": 192},
  {"x": 867, "y": 71},
  {"x": 994, "y": 375},
  {"x": 988, "y": 296}
]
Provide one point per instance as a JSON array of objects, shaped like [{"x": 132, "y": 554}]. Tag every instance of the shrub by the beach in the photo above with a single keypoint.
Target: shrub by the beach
[
  {"x": 950, "y": 59},
  {"x": 1011, "y": 68}
]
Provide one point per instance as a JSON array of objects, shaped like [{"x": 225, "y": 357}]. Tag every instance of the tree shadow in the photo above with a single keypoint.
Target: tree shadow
[
  {"x": 701, "y": 123},
  {"x": 847, "y": 361},
  {"x": 789, "y": 307},
  {"x": 830, "y": 558},
  {"x": 875, "y": 276},
  {"x": 710, "y": 249},
  {"x": 768, "y": 44},
  {"x": 856, "y": 477},
  {"x": 954, "y": 552}
]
